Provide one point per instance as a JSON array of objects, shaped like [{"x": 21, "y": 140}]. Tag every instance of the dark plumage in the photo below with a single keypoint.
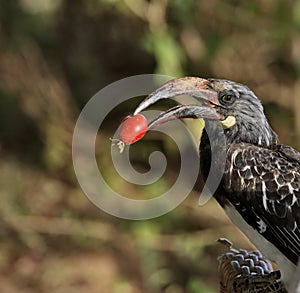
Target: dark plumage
[
  {"x": 260, "y": 188},
  {"x": 269, "y": 180}
]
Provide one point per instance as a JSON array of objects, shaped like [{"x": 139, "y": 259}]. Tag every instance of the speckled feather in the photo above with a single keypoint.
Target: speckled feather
[{"x": 264, "y": 184}]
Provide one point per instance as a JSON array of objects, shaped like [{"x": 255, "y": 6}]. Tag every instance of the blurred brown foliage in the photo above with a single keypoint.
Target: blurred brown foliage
[{"x": 55, "y": 54}]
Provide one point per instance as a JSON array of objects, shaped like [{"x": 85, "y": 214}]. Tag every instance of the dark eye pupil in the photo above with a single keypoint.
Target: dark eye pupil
[{"x": 227, "y": 98}]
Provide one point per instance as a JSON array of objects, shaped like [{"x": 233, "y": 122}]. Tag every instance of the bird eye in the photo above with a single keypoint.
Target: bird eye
[{"x": 227, "y": 99}]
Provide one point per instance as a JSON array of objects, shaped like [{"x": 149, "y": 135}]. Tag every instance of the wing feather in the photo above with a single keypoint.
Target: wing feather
[{"x": 264, "y": 186}]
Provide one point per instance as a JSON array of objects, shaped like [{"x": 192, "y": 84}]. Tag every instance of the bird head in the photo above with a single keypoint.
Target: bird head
[{"x": 231, "y": 104}]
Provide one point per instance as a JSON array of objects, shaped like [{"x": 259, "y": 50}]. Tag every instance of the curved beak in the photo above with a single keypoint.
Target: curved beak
[{"x": 206, "y": 100}]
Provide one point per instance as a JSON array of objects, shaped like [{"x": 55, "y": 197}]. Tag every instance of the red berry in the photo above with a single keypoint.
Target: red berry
[{"x": 133, "y": 128}]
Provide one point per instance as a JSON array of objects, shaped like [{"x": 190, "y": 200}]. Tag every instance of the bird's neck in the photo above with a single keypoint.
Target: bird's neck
[{"x": 258, "y": 133}]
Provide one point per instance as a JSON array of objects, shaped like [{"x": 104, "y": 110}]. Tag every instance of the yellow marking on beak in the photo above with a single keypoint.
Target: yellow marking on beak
[{"x": 228, "y": 122}]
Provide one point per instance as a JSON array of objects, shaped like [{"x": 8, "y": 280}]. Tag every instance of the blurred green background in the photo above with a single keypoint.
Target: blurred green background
[{"x": 55, "y": 55}]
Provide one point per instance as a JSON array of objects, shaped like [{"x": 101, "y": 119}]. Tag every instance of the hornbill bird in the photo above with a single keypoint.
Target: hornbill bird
[{"x": 260, "y": 185}]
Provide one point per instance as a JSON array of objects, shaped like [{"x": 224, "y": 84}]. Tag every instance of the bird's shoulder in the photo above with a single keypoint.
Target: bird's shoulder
[
  {"x": 275, "y": 167},
  {"x": 269, "y": 175},
  {"x": 287, "y": 151}
]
